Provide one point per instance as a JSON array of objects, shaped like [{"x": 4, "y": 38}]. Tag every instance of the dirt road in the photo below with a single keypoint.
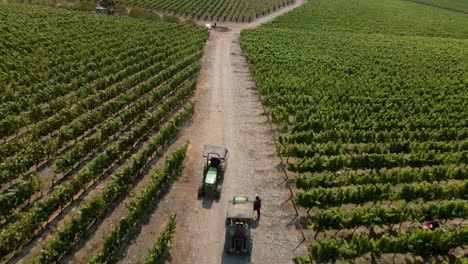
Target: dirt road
[{"x": 228, "y": 113}]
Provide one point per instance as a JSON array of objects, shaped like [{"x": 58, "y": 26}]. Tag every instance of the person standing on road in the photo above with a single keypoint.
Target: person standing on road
[{"x": 257, "y": 205}]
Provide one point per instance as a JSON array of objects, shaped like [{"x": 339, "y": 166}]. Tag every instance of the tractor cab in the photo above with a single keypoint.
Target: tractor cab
[
  {"x": 213, "y": 172},
  {"x": 239, "y": 239}
]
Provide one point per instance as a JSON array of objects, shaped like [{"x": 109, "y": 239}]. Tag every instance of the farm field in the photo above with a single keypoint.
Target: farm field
[
  {"x": 371, "y": 101},
  {"x": 455, "y": 5},
  {"x": 100, "y": 159},
  {"x": 215, "y": 10},
  {"x": 89, "y": 106}
]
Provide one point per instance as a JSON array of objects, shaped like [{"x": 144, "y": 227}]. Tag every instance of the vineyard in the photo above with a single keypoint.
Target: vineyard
[
  {"x": 217, "y": 10},
  {"x": 371, "y": 106},
  {"x": 100, "y": 140},
  {"x": 88, "y": 105}
]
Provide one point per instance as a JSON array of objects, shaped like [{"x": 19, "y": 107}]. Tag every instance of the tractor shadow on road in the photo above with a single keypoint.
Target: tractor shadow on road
[
  {"x": 234, "y": 259},
  {"x": 207, "y": 202},
  {"x": 254, "y": 224}
]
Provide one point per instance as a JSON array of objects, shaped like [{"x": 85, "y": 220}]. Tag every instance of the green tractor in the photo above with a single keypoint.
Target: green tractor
[
  {"x": 239, "y": 219},
  {"x": 213, "y": 172}
]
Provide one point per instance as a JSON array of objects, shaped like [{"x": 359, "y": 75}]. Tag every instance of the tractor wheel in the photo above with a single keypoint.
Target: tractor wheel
[
  {"x": 205, "y": 169},
  {"x": 250, "y": 245},
  {"x": 217, "y": 193},
  {"x": 221, "y": 172},
  {"x": 227, "y": 242},
  {"x": 200, "y": 190}
]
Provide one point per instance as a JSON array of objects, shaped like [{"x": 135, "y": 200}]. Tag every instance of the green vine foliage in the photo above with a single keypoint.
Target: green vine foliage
[
  {"x": 120, "y": 183},
  {"x": 418, "y": 242},
  {"x": 218, "y": 10},
  {"x": 370, "y": 98},
  {"x": 156, "y": 253},
  {"x": 79, "y": 101},
  {"x": 139, "y": 205}
]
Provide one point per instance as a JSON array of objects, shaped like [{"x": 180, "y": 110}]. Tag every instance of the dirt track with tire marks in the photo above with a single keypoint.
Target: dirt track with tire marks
[{"x": 228, "y": 113}]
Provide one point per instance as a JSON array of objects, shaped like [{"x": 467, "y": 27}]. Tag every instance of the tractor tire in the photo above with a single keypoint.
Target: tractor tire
[
  {"x": 226, "y": 246},
  {"x": 250, "y": 245},
  {"x": 221, "y": 172},
  {"x": 227, "y": 242},
  {"x": 205, "y": 170},
  {"x": 217, "y": 193},
  {"x": 200, "y": 191}
]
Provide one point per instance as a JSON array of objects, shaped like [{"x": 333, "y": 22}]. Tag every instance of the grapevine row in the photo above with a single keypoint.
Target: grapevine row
[
  {"x": 379, "y": 216},
  {"x": 75, "y": 228},
  {"x": 37, "y": 151},
  {"x": 418, "y": 242},
  {"x": 109, "y": 129},
  {"x": 219, "y": 10},
  {"x": 394, "y": 177},
  {"x": 156, "y": 252},
  {"x": 376, "y": 161},
  {"x": 81, "y": 149},
  {"x": 18, "y": 233},
  {"x": 21, "y": 192},
  {"x": 362, "y": 194},
  {"x": 139, "y": 205},
  {"x": 70, "y": 78},
  {"x": 362, "y": 136},
  {"x": 338, "y": 148}
]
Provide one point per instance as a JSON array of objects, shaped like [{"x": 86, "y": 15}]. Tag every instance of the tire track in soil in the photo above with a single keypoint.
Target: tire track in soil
[{"x": 228, "y": 113}]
